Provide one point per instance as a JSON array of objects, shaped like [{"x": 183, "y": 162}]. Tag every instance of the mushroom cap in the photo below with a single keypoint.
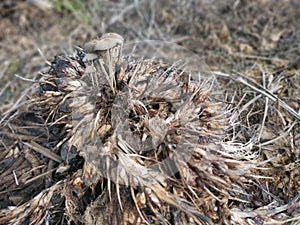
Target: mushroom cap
[
  {"x": 89, "y": 46},
  {"x": 106, "y": 43},
  {"x": 90, "y": 57},
  {"x": 112, "y": 35}
]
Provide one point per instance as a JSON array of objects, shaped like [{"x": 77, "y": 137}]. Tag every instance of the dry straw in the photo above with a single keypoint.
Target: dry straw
[{"x": 103, "y": 140}]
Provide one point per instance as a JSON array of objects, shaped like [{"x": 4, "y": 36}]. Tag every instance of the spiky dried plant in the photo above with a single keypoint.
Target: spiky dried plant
[{"x": 150, "y": 137}]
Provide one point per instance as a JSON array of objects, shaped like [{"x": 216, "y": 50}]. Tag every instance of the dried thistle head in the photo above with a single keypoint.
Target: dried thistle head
[
  {"x": 150, "y": 132},
  {"x": 154, "y": 131}
]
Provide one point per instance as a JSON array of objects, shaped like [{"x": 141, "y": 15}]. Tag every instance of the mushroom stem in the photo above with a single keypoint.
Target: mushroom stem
[
  {"x": 110, "y": 60},
  {"x": 108, "y": 52},
  {"x": 111, "y": 72},
  {"x": 109, "y": 75}
]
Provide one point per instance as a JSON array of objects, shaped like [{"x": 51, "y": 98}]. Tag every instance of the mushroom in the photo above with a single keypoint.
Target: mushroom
[
  {"x": 89, "y": 49},
  {"x": 96, "y": 47},
  {"x": 107, "y": 50},
  {"x": 107, "y": 43},
  {"x": 112, "y": 35},
  {"x": 89, "y": 46}
]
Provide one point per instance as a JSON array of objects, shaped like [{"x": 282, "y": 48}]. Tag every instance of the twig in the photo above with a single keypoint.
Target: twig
[
  {"x": 44, "y": 151},
  {"x": 25, "y": 79},
  {"x": 261, "y": 90},
  {"x": 284, "y": 134},
  {"x": 266, "y": 108},
  {"x": 16, "y": 178},
  {"x": 39, "y": 176}
]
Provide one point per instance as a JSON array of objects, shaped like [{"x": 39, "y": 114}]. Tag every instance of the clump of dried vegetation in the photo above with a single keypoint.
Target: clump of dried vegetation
[{"x": 64, "y": 158}]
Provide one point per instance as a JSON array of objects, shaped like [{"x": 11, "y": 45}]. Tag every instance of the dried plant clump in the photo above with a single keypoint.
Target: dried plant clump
[{"x": 104, "y": 140}]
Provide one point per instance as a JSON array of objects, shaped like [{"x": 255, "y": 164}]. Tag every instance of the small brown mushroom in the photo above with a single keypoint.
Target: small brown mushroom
[
  {"x": 95, "y": 47},
  {"x": 107, "y": 43},
  {"x": 90, "y": 57},
  {"x": 107, "y": 50},
  {"x": 112, "y": 35},
  {"x": 89, "y": 46}
]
